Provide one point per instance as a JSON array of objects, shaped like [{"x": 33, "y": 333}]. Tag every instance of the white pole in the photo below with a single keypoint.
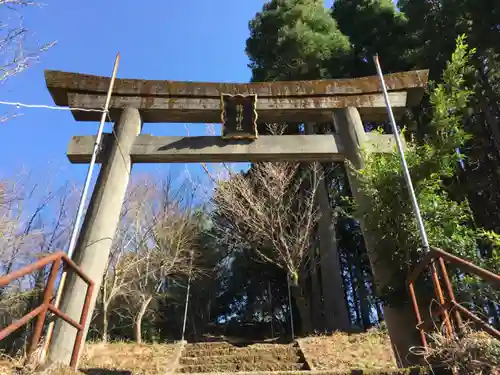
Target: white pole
[
  {"x": 81, "y": 204},
  {"x": 187, "y": 298},
  {"x": 290, "y": 306},
  {"x": 83, "y": 198},
  {"x": 406, "y": 172}
]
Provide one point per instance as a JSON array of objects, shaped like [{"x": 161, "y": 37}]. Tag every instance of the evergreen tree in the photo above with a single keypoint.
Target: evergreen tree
[
  {"x": 390, "y": 218},
  {"x": 298, "y": 40},
  {"x": 373, "y": 27},
  {"x": 294, "y": 39},
  {"x": 479, "y": 181}
]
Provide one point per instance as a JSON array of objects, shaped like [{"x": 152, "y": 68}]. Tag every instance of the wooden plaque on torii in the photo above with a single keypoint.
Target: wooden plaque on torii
[{"x": 239, "y": 116}]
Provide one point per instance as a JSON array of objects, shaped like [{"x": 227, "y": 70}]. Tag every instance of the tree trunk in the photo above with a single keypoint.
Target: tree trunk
[
  {"x": 35, "y": 300},
  {"x": 356, "y": 305},
  {"x": 485, "y": 104},
  {"x": 490, "y": 120},
  {"x": 271, "y": 307},
  {"x": 105, "y": 305},
  {"x": 316, "y": 306},
  {"x": 380, "y": 314},
  {"x": 493, "y": 313},
  {"x": 138, "y": 319},
  {"x": 304, "y": 309},
  {"x": 364, "y": 302},
  {"x": 195, "y": 334},
  {"x": 105, "y": 323}
]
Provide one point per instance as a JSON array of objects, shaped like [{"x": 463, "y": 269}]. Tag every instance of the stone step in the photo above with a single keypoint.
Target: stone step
[
  {"x": 247, "y": 350},
  {"x": 393, "y": 371},
  {"x": 208, "y": 345},
  {"x": 292, "y": 357},
  {"x": 238, "y": 367}
]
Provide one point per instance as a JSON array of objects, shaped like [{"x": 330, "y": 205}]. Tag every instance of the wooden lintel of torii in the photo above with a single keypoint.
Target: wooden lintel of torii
[
  {"x": 208, "y": 110},
  {"x": 213, "y": 149},
  {"x": 200, "y": 102},
  {"x": 164, "y": 101}
]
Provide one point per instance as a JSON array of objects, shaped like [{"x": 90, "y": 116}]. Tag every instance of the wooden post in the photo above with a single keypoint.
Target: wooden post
[
  {"x": 400, "y": 321},
  {"x": 97, "y": 233}
]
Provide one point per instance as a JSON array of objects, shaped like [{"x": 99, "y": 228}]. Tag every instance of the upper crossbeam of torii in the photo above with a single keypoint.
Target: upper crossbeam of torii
[{"x": 200, "y": 102}]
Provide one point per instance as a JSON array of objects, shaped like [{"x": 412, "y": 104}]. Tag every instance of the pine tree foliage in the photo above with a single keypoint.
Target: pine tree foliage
[{"x": 294, "y": 39}]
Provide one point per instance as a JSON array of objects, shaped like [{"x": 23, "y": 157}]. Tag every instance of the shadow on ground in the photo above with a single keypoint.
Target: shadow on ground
[{"x": 102, "y": 371}]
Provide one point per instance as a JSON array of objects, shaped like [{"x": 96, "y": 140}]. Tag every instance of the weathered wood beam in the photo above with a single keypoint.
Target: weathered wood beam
[
  {"x": 60, "y": 83},
  {"x": 398, "y": 99},
  {"x": 207, "y": 117},
  {"x": 213, "y": 149},
  {"x": 160, "y": 109}
]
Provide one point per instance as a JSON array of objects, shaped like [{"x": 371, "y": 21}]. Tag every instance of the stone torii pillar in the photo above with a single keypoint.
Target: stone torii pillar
[
  {"x": 97, "y": 232},
  {"x": 335, "y": 306},
  {"x": 400, "y": 321}
]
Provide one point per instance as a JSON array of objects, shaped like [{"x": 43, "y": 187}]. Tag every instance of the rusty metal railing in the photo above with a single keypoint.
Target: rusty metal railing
[
  {"x": 41, "y": 311},
  {"x": 447, "y": 301}
]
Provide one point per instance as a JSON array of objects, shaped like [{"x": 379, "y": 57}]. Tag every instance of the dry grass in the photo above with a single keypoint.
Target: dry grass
[
  {"x": 10, "y": 365},
  {"x": 343, "y": 352},
  {"x": 472, "y": 353},
  {"x": 7, "y": 365},
  {"x": 339, "y": 352},
  {"x": 109, "y": 359},
  {"x": 138, "y": 359}
]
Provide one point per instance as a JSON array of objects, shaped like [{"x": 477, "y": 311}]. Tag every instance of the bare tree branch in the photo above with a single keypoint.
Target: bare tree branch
[
  {"x": 272, "y": 208},
  {"x": 155, "y": 243},
  {"x": 17, "y": 50},
  {"x": 33, "y": 223}
]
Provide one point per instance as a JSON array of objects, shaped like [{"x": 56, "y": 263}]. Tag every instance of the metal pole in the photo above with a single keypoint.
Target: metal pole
[
  {"x": 83, "y": 199},
  {"x": 187, "y": 298},
  {"x": 406, "y": 172},
  {"x": 413, "y": 198},
  {"x": 290, "y": 306}
]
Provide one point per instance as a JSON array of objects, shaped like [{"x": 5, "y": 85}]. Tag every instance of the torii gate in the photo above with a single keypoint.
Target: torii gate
[{"x": 346, "y": 102}]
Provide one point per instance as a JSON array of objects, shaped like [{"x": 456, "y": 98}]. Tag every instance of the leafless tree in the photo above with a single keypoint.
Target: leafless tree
[
  {"x": 130, "y": 234},
  {"x": 272, "y": 209},
  {"x": 17, "y": 50},
  {"x": 155, "y": 243},
  {"x": 115, "y": 281},
  {"x": 35, "y": 221}
]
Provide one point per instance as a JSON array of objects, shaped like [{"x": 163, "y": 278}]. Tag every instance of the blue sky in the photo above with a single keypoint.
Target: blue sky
[{"x": 176, "y": 40}]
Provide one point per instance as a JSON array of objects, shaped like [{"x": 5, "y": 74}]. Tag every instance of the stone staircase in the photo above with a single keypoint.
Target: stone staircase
[{"x": 217, "y": 357}]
